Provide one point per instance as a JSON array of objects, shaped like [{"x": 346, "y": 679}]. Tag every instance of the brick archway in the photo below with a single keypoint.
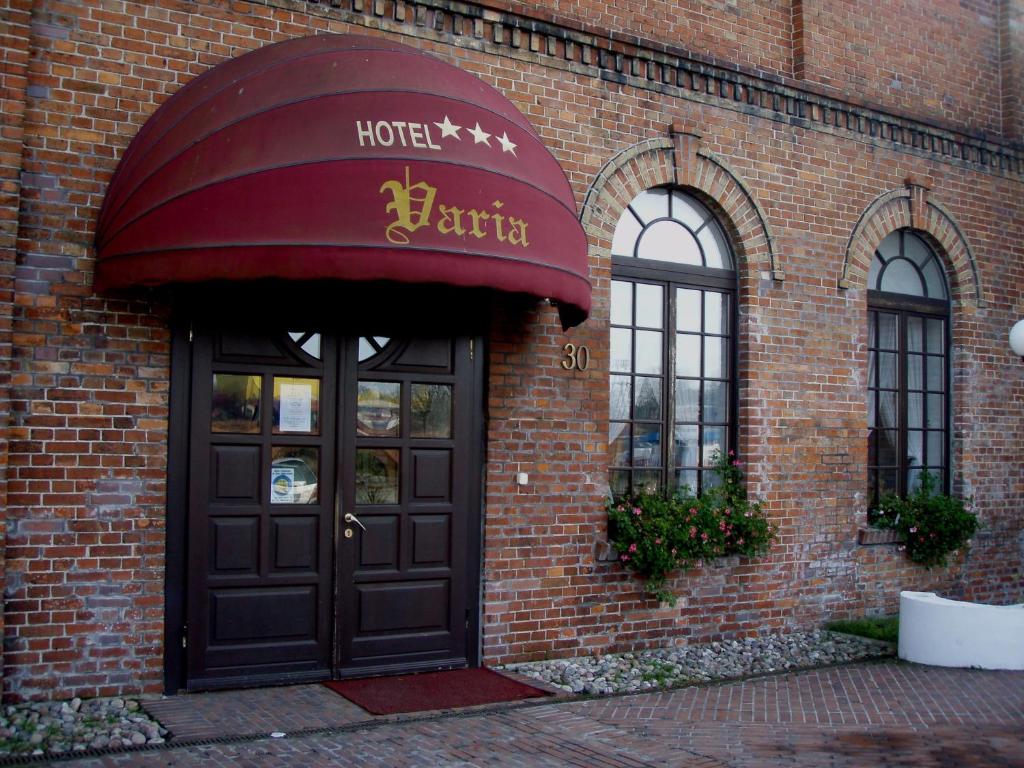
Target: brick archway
[
  {"x": 680, "y": 159},
  {"x": 911, "y": 207}
]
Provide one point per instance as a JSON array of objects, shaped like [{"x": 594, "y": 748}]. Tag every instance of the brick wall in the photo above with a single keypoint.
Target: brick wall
[
  {"x": 1011, "y": 49},
  {"x": 792, "y": 173}
]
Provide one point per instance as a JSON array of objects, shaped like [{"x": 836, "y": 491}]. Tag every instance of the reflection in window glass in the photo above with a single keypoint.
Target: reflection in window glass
[
  {"x": 296, "y": 405},
  {"x": 431, "y": 410},
  {"x": 378, "y": 407},
  {"x": 235, "y": 403},
  {"x": 293, "y": 475},
  {"x": 377, "y": 475}
]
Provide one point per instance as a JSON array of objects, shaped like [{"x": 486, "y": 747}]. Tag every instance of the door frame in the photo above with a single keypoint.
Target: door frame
[{"x": 175, "y": 652}]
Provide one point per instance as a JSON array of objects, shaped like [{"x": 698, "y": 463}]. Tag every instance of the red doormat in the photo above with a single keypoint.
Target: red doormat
[{"x": 433, "y": 690}]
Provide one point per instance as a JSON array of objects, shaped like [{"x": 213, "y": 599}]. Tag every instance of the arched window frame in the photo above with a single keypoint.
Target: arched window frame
[
  {"x": 671, "y": 463},
  {"x": 909, "y": 342}
]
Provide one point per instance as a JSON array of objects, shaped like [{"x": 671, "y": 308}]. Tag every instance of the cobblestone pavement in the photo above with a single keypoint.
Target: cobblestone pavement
[{"x": 887, "y": 714}]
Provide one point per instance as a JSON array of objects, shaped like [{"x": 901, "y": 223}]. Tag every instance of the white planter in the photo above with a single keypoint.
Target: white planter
[{"x": 951, "y": 633}]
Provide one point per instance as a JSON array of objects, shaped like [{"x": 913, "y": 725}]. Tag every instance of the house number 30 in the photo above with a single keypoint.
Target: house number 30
[{"x": 577, "y": 358}]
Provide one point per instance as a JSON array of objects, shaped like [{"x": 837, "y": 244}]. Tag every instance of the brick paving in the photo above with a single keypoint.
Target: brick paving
[{"x": 863, "y": 715}]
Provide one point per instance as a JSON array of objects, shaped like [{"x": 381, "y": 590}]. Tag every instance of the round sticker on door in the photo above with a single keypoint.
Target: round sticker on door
[{"x": 282, "y": 485}]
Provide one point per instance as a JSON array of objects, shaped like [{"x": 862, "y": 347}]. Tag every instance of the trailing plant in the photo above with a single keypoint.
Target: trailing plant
[
  {"x": 934, "y": 524},
  {"x": 657, "y": 532}
]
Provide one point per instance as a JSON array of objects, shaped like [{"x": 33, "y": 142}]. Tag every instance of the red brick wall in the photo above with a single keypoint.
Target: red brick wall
[
  {"x": 898, "y": 54},
  {"x": 1011, "y": 49},
  {"x": 89, "y": 376}
]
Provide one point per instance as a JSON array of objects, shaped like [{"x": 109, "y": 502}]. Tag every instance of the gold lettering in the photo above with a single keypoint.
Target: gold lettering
[
  {"x": 499, "y": 221},
  {"x": 411, "y": 211},
  {"x": 477, "y": 217},
  {"x": 517, "y": 235},
  {"x": 451, "y": 220}
]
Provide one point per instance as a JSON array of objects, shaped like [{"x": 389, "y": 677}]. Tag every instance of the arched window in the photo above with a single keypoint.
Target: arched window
[
  {"x": 908, "y": 366},
  {"x": 673, "y": 305}
]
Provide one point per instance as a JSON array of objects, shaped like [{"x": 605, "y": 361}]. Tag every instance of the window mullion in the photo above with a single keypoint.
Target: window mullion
[
  {"x": 902, "y": 407},
  {"x": 668, "y": 415}
]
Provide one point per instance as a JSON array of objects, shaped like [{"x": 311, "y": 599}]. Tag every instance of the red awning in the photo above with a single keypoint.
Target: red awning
[{"x": 349, "y": 158}]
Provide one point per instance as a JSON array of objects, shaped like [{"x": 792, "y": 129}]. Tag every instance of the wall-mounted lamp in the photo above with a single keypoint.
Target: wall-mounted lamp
[{"x": 1017, "y": 338}]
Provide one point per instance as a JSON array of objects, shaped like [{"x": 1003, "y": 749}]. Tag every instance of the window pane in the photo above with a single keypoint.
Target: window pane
[
  {"x": 716, "y": 253},
  {"x": 685, "y": 449},
  {"x": 377, "y": 475},
  {"x": 716, "y": 357},
  {"x": 431, "y": 411},
  {"x": 716, "y": 312},
  {"x": 915, "y": 447},
  {"x": 886, "y": 330},
  {"x": 716, "y": 401},
  {"x": 687, "y": 399},
  {"x": 936, "y": 335},
  {"x": 714, "y": 443},
  {"x": 308, "y": 342},
  {"x": 622, "y": 350},
  {"x": 235, "y": 403},
  {"x": 687, "y": 355},
  {"x": 646, "y": 445},
  {"x": 936, "y": 372},
  {"x": 618, "y": 480},
  {"x": 622, "y": 303},
  {"x": 886, "y": 370},
  {"x": 915, "y": 372},
  {"x": 651, "y": 205},
  {"x": 890, "y": 246},
  {"x": 935, "y": 280},
  {"x": 688, "y": 211},
  {"x": 669, "y": 241},
  {"x": 293, "y": 475},
  {"x": 886, "y": 452},
  {"x": 915, "y": 334},
  {"x": 915, "y": 249},
  {"x": 901, "y": 277},
  {"x": 620, "y": 398},
  {"x": 688, "y": 310},
  {"x": 296, "y": 405},
  {"x": 626, "y": 232},
  {"x": 377, "y": 409},
  {"x": 874, "y": 271},
  {"x": 687, "y": 478},
  {"x": 648, "y": 398},
  {"x": 871, "y": 409},
  {"x": 618, "y": 444},
  {"x": 648, "y": 351},
  {"x": 936, "y": 411},
  {"x": 915, "y": 411},
  {"x": 647, "y": 481},
  {"x": 887, "y": 410},
  {"x": 650, "y": 305},
  {"x": 936, "y": 448},
  {"x": 886, "y": 481}
]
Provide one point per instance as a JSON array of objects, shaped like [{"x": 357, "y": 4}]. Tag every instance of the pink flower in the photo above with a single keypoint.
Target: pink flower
[
  {"x": 728, "y": 511},
  {"x": 721, "y": 526},
  {"x": 624, "y": 558},
  {"x": 693, "y": 511},
  {"x": 703, "y": 537},
  {"x": 914, "y": 529},
  {"x": 740, "y": 541},
  {"x": 737, "y": 463},
  {"x": 657, "y": 541},
  {"x": 693, "y": 531},
  {"x": 637, "y": 511},
  {"x": 621, "y": 508},
  {"x": 732, "y": 452},
  {"x": 673, "y": 550},
  {"x": 632, "y": 547}
]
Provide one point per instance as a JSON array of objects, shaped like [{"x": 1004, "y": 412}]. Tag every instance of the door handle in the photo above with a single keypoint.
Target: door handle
[{"x": 350, "y": 518}]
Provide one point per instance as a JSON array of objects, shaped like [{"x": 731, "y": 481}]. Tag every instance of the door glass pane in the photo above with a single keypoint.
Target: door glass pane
[
  {"x": 377, "y": 476},
  {"x": 371, "y": 345},
  {"x": 648, "y": 352},
  {"x": 646, "y": 445},
  {"x": 648, "y": 398},
  {"x": 618, "y": 444},
  {"x": 431, "y": 410},
  {"x": 622, "y": 303},
  {"x": 687, "y": 399},
  {"x": 622, "y": 350},
  {"x": 685, "y": 449},
  {"x": 688, "y": 310},
  {"x": 716, "y": 313},
  {"x": 235, "y": 403},
  {"x": 378, "y": 408},
  {"x": 308, "y": 342},
  {"x": 716, "y": 403},
  {"x": 296, "y": 405},
  {"x": 619, "y": 398},
  {"x": 293, "y": 475},
  {"x": 687, "y": 355},
  {"x": 650, "y": 308},
  {"x": 716, "y": 357}
]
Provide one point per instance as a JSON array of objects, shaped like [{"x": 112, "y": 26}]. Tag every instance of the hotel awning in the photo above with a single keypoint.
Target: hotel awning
[{"x": 345, "y": 158}]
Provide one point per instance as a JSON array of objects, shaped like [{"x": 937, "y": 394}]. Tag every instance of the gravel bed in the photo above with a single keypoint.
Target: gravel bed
[
  {"x": 56, "y": 728},
  {"x": 668, "y": 667}
]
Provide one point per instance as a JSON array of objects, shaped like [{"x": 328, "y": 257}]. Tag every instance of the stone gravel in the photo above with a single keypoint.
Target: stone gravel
[
  {"x": 727, "y": 660},
  {"x": 57, "y": 728}
]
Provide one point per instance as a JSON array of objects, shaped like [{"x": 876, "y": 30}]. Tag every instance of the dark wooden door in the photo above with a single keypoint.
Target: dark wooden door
[
  {"x": 291, "y": 433},
  {"x": 408, "y": 532}
]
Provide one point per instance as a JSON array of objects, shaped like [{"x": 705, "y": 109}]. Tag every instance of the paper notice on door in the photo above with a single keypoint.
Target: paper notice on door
[
  {"x": 296, "y": 408},
  {"x": 282, "y": 485}
]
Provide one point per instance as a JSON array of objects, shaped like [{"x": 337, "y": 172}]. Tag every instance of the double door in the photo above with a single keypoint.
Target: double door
[{"x": 333, "y": 506}]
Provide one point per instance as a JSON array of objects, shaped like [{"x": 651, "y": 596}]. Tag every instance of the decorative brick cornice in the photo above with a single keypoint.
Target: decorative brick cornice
[{"x": 653, "y": 66}]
